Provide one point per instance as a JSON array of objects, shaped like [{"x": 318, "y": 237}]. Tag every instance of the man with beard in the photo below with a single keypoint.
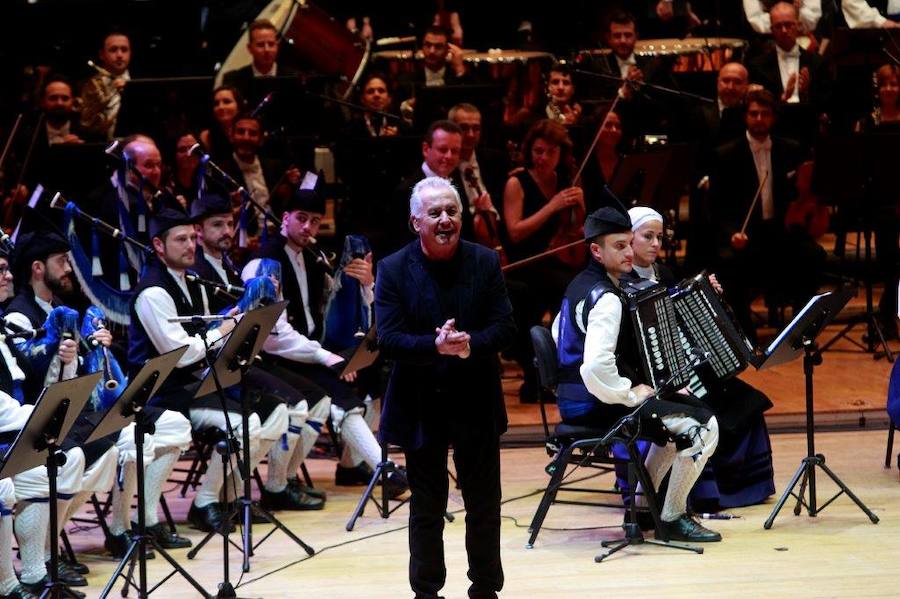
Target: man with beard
[
  {"x": 101, "y": 95},
  {"x": 442, "y": 64},
  {"x": 58, "y": 107},
  {"x": 162, "y": 293},
  {"x": 443, "y": 315},
  {"x": 214, "y": 223},
  {"x": 41, "y": 262}
]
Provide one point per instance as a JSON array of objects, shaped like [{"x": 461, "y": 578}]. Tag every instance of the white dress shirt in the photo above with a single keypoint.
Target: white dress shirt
[
  {"x": 435, "y": 78},
  {"x": 860, "y": 15},
  {"x": 254, "y": 179},
  {"x": 624, "y": 65},
  {"x": 258, "y": 73},
  {"x": 762, "y": 158},
  {"x": 217, "y": 265},
  {"x": 810, "y": 13},
  {"x": 154, "y": 306},
  {"x": 57, "y": 136},
  {"x": 789, "y": 64}
]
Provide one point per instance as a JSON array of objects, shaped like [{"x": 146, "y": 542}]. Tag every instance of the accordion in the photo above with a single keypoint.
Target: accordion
[{"x": 668, "y": 325}]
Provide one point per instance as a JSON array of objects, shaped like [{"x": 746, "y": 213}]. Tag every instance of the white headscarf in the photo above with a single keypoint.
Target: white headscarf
[{"x": 642, "y": 214}]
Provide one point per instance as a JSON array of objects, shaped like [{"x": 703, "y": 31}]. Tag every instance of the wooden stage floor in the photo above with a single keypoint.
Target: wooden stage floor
[{"x": 838, "y": 554}]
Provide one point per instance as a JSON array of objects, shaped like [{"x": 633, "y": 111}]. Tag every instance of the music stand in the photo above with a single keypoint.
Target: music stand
[
  {"x": 638, "y": 176},
  {"x": 130, "y": 407},
  {"x": 232, "y": 361},
  {"x": 38, "y": 443},
  {"x": 800, "y": 337},
  {"x": 157, "y": 106}
]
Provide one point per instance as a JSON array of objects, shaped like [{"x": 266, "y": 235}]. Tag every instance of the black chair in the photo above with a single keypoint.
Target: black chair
[
  {"x": 579, "y": 446},
  {"x": 892, "y": 426}
]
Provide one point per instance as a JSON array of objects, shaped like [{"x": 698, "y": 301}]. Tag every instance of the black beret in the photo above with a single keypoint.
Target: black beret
[
  {"x": 36, "y": 245},
  {"x": 604, "y": 221},
  {"x": 209, "y": 204},
  {"x": 165, "y": 219},
  {"x": 306, "y": 200}
]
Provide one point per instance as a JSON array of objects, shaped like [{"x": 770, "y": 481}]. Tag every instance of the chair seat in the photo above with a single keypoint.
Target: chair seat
[{"x": 572, "y": 431}]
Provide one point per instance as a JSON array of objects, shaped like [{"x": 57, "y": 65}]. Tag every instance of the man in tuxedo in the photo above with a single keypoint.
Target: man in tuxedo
[
  {"x": 442, "y": 64},
  {"x": 755, "y": 258},
  {"x": 791, "y": 73},
  {"x": 263, "y": 45},
  {"x": 441, "y": 149},
  {"x": 443, "y": 315},
  {"x": 101, "y": 95}
]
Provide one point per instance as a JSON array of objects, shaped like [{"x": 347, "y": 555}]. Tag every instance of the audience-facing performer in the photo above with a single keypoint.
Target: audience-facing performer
[
  {"x": 603, "y": 378},
  {"x": 101, "y": 95},
  {"x": 541, "y": 210},
  {"x": 301, "y": 360},
  {"x": 162, "y": 293},
  {"x": 443, "y": 316},
  {"x": 214, "y": 222},
  {"x": 752, "y": 258},
  {"x": 740, "y": 472}
]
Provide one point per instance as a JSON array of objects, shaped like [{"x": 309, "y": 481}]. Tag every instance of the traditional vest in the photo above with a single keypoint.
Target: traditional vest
[
  {"x": 140, "y": 347},
  {"x": 204, "y": 269},
  {"x": 586, "y": 290},
  {"x": 290, "y": 287}
]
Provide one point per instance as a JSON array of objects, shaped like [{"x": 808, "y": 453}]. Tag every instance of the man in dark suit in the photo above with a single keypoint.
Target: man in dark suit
[
  {"x": 441, "y": 149},
  {"x": 443, "y": 315},
  {"x": 788, "y": 71},
  {"x": 263, "y": 44},
  {"x": 442, "y": 64},
  {"x": 758, "y": 164}
]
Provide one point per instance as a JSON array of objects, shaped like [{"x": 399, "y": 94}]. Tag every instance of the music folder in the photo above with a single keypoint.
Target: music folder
[{"x": 363, "y": 356}]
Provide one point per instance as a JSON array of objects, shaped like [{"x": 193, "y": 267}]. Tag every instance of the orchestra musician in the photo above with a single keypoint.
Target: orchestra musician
[
  {"x": 301, "y": 361},
  {"x": 227, "y": 104},
  {"x": 442, "y": 64},
  {"x": 601, "y": 378},
  {"x": 443, "y": 316},
  {"x": 263, "y": 44},
  {"x": 101, "y": 95},
  {"x": 541, "y": 210},
  {"x": 163, "y": 292}
]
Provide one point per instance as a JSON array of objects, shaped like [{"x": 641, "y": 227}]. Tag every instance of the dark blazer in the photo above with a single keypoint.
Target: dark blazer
[
  {"x": 425, "y": 387},
  {"x": 734, "y": 184},
  {"x": 764, "y": 70},
  {"x": 242, "y": 79}
]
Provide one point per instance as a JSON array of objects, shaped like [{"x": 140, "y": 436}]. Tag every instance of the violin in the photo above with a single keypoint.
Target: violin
[
  {"x": 570, "y": 231},
  {"x": 487, "y": 230},
  {"x": 806, "y": 212}
]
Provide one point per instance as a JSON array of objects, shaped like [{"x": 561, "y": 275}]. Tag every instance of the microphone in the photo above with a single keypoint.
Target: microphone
[
  {"x": 262, "y": 104},
  {"x": 200, "y": 318},
  {"x": 197, "y": 149},
  {"x": 393, "y": 41},
  {"x": 226, "y": 287}
]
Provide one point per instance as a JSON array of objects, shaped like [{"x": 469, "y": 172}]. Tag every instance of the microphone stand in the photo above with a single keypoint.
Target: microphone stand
[
  {"x": 353, "y": 106},
  {"x": 653, "y": 86},
  {"x": 61, "y": 203}
]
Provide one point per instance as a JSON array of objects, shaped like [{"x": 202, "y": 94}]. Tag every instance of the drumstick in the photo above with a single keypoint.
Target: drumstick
[{"x": 755, "y": 198}]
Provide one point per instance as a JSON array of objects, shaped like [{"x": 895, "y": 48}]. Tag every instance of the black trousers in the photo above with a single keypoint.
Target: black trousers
[{"x": 477, "y": 459}]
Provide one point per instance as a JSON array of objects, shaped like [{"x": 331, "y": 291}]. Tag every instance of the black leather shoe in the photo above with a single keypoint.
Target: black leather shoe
[
  {"x": 20, "y": 592},
  {"x": 396, "y": 484},
  {"x": 117, "y": 545},
  {"x": 209, "y": 518},
  {"x": 68, "y": 576},
  {"x": 165, "y": 537},
  {"x": 294, "y": 483},
  {"x": 644, "y": 520},
  {"x": 37, "y": 588},
  {"x": 77, "y": 566},
  {"x": 289, "y": 499},
  {"x": 357, "y": 476},
  {"x": 688, "y": 530}
]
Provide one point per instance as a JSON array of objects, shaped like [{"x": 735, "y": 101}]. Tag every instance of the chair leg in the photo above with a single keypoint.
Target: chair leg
[
  {"x": 559, "y": 470},
  {"x": 170, "y": 522},
  {"x": 306, "y": 477},
  {"x": 101, "y": 514},
  {"x": 199, "y": 451},
  {"x": 890, "y": 444}
]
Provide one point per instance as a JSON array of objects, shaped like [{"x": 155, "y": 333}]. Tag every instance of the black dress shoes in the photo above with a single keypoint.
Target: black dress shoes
[
  {"x": 165, "y": 537},
  {"x": 65, "y": 574},
  {"x": 289, "y": 499},
  {"x": 212, "y": 517},
  {"x": 37, "y": 588},
  {"x": 117, "y": 545},
  {"x": 20, "y": 592},
  {"x": 294, "y": 483},
  {"x": 357, "y": 476},
  {"x": 688, "y": 530}
]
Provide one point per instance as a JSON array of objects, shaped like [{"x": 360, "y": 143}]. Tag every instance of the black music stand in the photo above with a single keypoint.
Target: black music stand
[
  {"x": 130, "y": 407},
  {"x": 232, "y": 361},
  {"x": 158, "y": 106},
  {"x": 800, "y": 337},
  {"x": 39, "y": 443}
]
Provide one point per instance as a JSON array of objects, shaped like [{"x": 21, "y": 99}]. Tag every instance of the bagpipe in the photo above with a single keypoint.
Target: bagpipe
[
  {"x": 43, "y": 350},
  {"x": 98, "y": 358},
  {"x": 348, "y": 315}
]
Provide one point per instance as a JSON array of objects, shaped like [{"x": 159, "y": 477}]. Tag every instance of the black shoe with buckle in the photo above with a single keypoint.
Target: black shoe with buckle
[
  {"x": 212, "y": 517},
  {"x": 356, "y": 476},
  {"x": 289, "y": 499},
  {"x": 294, "y": 483},
  {"x": 164, "y": 536},
  {"x": 688, "y": 530}
]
